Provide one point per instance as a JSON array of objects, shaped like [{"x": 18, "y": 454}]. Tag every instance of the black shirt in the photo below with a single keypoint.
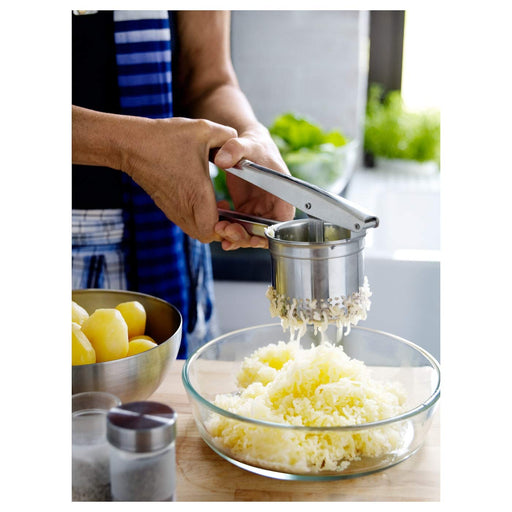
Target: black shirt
[{"x": 94, "y": 86}]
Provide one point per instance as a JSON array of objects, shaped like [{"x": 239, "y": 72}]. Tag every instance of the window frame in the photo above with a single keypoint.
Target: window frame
[{"x": 386, "y": 49}]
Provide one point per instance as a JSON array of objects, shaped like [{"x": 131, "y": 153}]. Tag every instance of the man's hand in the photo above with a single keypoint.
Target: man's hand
[
  {"x": 168, "y": 158},
  {"x": 171, "y": 164},
  {"x": 210, "y": 90},
  {"x": 257, "y": 146}
]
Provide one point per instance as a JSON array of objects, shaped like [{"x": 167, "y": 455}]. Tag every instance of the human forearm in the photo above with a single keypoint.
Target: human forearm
[
  {"x": 94, "y": 138},
  {"x": 207, "y": 86},
  {"x": 210, "y": 90},
  {"x": 226, "y": 104}
]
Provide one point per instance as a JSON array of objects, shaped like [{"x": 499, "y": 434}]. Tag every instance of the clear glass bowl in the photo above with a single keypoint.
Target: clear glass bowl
[
  {"x": 212, "y": 370},
  {"x": 329, "y": 169}
]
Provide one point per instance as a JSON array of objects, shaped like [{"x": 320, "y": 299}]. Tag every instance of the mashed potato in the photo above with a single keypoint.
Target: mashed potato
[
  {"x": 297, "y": 314},
  {"x": 320, "y": 386}
]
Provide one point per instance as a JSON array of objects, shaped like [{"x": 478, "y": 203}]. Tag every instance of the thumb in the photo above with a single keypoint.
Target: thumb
[{"x": 224, "y": 159}]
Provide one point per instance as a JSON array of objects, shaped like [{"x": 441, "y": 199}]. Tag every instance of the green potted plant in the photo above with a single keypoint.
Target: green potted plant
[{"x": 399, "y": 138}]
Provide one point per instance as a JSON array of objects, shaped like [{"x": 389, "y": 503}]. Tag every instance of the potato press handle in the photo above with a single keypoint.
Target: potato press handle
[
  {"x": 252, "y": 224},
  {"x": 312, "y": 200}
]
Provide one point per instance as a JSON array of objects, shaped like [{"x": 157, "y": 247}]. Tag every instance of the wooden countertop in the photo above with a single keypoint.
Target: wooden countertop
[{"x": 202, "y": 475}]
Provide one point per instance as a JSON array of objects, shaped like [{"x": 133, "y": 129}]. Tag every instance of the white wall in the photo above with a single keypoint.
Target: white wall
[{"x": 313, "y": 63}]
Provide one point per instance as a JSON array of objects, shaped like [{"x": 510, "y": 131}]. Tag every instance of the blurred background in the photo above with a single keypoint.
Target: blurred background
[{"x": 352, "y": 100}]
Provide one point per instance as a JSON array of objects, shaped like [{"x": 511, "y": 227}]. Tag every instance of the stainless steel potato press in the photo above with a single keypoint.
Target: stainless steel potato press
[{"x": 317, "y": 262}]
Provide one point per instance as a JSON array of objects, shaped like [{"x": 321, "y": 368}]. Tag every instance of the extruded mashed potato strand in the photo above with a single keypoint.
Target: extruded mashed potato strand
[
  {"x": 320, "y": 386},
  {"x": 296, "y": 314}
]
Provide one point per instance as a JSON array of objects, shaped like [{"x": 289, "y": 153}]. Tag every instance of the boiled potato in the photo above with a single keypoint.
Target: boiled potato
[
  {"x": 143, "y": 337},
  {"x": 78, "y": 313},
  {"x": 138, "y": 345},
  {"x": 108, "y": 333},
  {"x": 135, "y": 316},
  {"x": 82, "y": 352}
]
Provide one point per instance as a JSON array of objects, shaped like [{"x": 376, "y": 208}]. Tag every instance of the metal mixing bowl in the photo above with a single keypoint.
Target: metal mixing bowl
[
  {"x": 135, "y": 377},
  {"x": 266, "y": 447}
]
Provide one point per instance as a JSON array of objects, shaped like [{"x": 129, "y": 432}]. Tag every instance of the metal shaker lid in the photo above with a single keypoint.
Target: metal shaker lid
[{"x": 141, "y": 426}]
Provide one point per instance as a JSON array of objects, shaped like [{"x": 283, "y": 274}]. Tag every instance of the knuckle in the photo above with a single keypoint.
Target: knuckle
[
  {"x": 235, "y": 144},
  {"x": 203, "y": 125}
]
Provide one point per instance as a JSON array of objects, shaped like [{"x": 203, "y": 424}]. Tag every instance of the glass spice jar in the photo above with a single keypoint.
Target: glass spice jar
[
  {"x": 142, "y": 452},
  {"x": 90, "y": 460}
]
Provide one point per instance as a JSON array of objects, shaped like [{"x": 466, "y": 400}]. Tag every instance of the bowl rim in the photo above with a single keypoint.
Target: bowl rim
[
  {"x": 139, "y": 294},
  {"x": 426, "y": 405}
]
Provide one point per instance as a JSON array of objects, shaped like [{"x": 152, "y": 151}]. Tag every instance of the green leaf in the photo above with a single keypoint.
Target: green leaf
[
  {"x": 392, "y": 131},
  {"x": 335, "y": 138},
  {"x": 292, "y": 132},
  {"x": 297, "y": 132}
]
